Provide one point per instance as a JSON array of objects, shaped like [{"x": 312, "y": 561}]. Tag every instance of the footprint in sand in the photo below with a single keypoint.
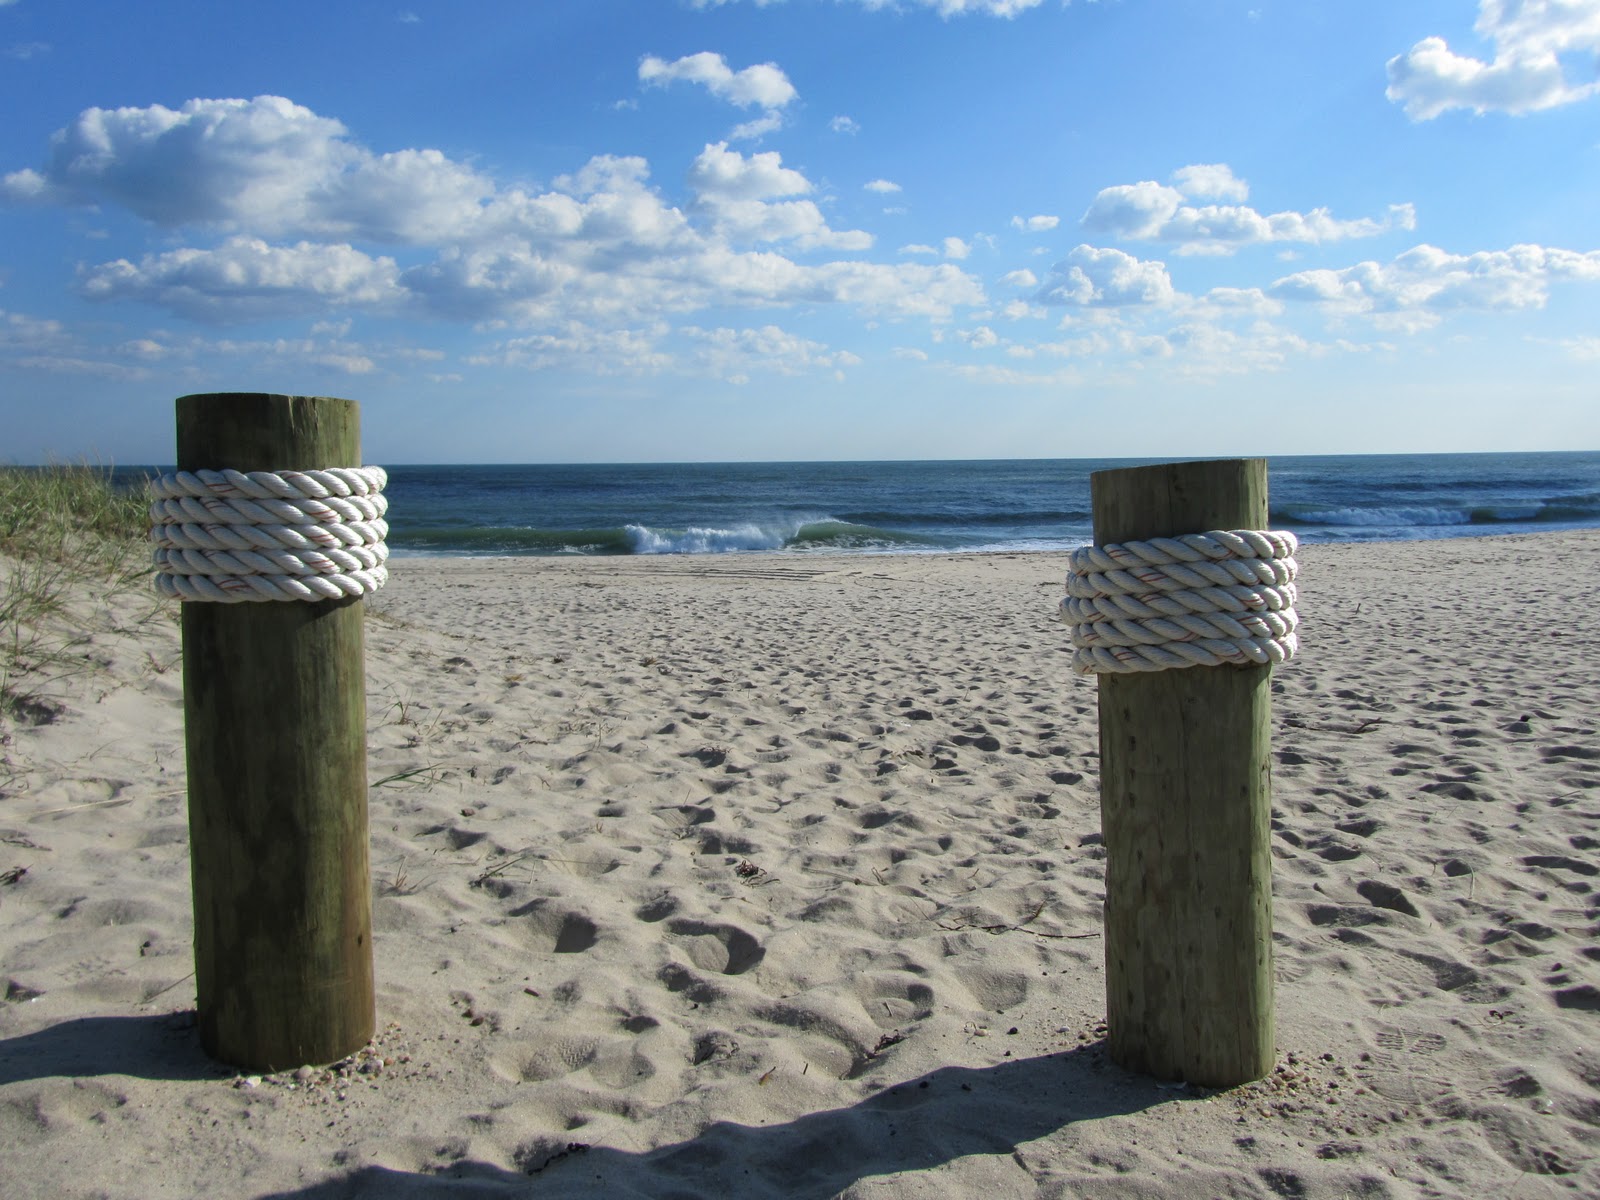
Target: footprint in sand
[
  {"x": 726, "y": 949},
  {"x": 559, "y": 931}
]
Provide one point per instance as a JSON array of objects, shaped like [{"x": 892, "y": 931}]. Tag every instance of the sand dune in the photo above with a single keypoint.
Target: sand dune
[{"x": 780, "y": 876}]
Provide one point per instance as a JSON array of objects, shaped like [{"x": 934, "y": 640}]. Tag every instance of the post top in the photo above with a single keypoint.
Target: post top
[
  {"x": 1171, "y": 499},
  {"x": 265, "y": 431}
]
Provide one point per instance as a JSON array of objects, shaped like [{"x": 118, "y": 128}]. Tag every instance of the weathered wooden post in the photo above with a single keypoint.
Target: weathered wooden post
[
  {"x": 275, "y": 719},
  {"x": 1185, "y": 800}
]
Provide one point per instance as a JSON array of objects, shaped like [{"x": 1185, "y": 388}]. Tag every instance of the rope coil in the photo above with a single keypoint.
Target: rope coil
[
  {"x": 1199, "y": 600},
  {"x": 231, "y": 536}
]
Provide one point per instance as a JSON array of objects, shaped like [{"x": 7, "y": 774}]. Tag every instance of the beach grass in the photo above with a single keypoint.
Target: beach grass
[{"x": 65, "y": 529}]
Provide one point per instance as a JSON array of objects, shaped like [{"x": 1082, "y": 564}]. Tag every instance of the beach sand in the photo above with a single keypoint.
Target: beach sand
[{"x": 780, "y": 876}]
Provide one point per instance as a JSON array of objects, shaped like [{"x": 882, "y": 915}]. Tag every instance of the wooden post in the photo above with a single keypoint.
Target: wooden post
[
  {"x": 275, "y": 719},
  {"x": 1185, "y": 801}
]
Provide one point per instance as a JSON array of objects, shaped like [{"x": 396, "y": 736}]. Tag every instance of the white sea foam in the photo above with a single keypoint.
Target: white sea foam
[{"x": 697, "y": 540}]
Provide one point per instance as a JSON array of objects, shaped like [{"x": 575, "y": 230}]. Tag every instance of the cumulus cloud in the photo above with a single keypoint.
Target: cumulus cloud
[
  {"x": 1206, "y": 349},
  {"x": 1150, "y": 211},
  {"x": 1037, "y": 224},
  {"x": 1426, "y": 281},
  {"x": 1537, "y": 44},
  {"x": 19, "y": 331},
  {"x": 1023, "y": 278},
  {"x": 575, "y": 345},
  {"x": 734, "y": 354},
  {"x": 266, "y": 165},
  {"x": 882, "y": 186},
  {"x": 954, "y": 247},
  {"x": 245, "y": 279},
  {"x": 728, "y": 174},
  {"x": 1211, "y": 181},
  {"x": 750, "y": 131},
  {"x": 1236, "y": 301},
  {"x": 844, "y": 124},
  {"x": 291, "y": 216},
  {"x": 1094, "y": 277},
  {"x": 797, "y": 221},
  {"x": 764, "y": 85},
  {"x": 736, "y": 192}
]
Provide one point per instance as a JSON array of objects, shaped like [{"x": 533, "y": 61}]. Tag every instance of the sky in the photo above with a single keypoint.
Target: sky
[{"x": 712, "y": 230}]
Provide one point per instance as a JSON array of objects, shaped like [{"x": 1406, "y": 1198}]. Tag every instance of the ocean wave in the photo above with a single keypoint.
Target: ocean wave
[
  {"x": 1581, "y": 507},
  {"x": 823, "y": 534},
  {"x": 1307, "y": 514},
  {"x": 820, "y": 534},
  {"x": 508, "y": 540},
  {"x": 948, "y": 518}
]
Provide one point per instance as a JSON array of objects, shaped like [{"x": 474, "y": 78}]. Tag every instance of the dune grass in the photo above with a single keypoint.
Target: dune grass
[{"x": 63, "y": 528}]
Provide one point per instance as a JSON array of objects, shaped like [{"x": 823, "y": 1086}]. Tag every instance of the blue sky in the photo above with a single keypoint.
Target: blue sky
[{"x": 639, "y": 230}]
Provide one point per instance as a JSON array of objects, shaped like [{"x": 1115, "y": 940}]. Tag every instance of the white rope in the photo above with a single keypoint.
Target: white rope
[
  {"x": 231, "y": 536},
  {"x": 1199, "y": 600}
]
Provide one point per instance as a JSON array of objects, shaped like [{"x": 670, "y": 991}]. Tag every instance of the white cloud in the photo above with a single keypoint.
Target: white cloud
[
  {"x": 997, "y": 376},
  {"x": 1138, "y": 211},
  {"x": 919, "y": 248},
  {"x": 734, "y": 191},
  {"x": 575, "y": 346},
  {"x": 48, "y": 347},
  {"x": 245, "y": 279},
  {"x": 1419, "y": 285},
  {"x": 57, "y": 364},
  {"x": 954, "y": 247},
  {"x": 1023, "y": 278},
  {"x": 1038, "y": 224},
  {"x": 904, "y": 289},
  {"x": 735, "y": 354},
  {"x": 797, "y": 221},
  {"x": 749, "y": 131},
  {"x": 1214, "y": 350},
  {"x": 1149, "y": 211},
  {"x": 288, "y": 214},
  {"x": 1211, "y": 181},
  {"x": 1584, "y": 349},
  {"x": 882, "y": 186},
  {"x": 265, "y": 165},
  {"x": 18, "y": 331},
  {"x": 727, "y": 174},
  {"x": 1234, "y": 301},
  {"x": 1088, "y": 346},
  {"x": 1527, "y": 73},
  {"x": 1093, "y": 277},
  {"x": 843, "y": 124},
  {"x": 764, "y": 85}
]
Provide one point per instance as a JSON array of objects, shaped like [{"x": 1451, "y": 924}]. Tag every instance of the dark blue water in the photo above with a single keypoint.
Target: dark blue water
[{"x": 909, "y": 507}]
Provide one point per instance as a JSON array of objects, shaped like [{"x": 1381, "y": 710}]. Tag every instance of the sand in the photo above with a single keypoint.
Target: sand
[{"x": 780, "y": 876}]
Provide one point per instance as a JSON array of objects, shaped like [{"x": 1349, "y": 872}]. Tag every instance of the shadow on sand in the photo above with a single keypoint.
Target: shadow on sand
[
  {"x": 917, "y": 1125},
  {"x": 159, "y": 1046}
]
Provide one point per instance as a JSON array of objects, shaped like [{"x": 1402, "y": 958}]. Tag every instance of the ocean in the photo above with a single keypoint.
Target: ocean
[{"x": 923, "y": 507}]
